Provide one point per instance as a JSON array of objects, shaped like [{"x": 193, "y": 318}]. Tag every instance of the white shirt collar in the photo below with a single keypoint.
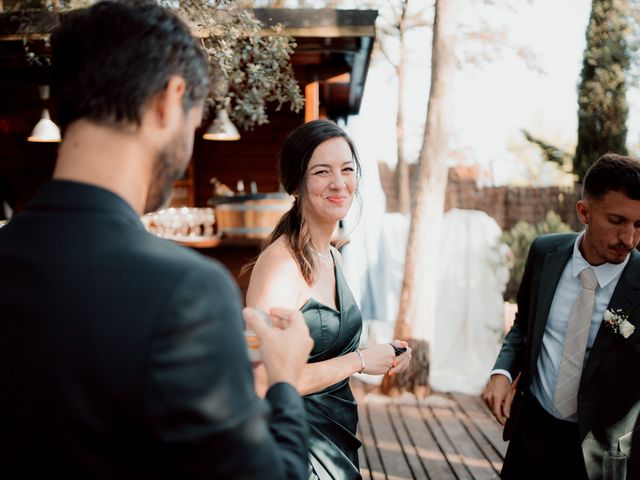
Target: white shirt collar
[{"x": 605, "y": 273}]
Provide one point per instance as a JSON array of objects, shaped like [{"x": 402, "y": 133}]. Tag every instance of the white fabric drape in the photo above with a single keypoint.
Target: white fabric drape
[{"x": 470, "y": 310}]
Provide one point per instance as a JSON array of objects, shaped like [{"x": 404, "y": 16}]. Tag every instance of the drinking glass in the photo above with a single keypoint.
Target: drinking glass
[
  {"x": 209, "y": 220},
  {"x": 614, "y": 465}
]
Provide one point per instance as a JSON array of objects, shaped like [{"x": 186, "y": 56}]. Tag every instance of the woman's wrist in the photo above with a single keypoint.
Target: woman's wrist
[{"x": 361, "y": 365}]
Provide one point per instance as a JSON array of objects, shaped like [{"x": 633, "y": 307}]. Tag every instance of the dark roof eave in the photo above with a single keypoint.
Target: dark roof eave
[
  {"x": 311, "y": 19},
  {"x": 307, "y": 22}
]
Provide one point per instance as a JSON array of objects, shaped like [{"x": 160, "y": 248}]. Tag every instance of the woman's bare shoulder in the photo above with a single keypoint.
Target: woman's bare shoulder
[
  {"x": 275, "y": 279},
  {"x": 277, "y": 259}
]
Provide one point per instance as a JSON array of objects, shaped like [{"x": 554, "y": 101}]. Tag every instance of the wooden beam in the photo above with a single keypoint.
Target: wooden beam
[
  {"x": 327, "y": 32},
  {"x": 342, "y": 78},
  {"x": 312, "y": 18},
  {"x": 311, "y": 101},
  {"x": 320, "y": 44}
]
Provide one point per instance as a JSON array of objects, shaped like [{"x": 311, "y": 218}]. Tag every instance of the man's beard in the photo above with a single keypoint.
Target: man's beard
[{"x": 170, "y": 165}]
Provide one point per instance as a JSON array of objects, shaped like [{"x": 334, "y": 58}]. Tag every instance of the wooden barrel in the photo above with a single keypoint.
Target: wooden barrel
[{"x": 250, "y": 216}]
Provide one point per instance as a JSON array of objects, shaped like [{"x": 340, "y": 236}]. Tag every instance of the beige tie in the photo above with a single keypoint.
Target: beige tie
[{"x": 570, "y": 371}]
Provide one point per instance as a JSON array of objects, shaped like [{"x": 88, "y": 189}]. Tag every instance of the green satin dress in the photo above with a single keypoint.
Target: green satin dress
[{"x": 332, "y": 413}]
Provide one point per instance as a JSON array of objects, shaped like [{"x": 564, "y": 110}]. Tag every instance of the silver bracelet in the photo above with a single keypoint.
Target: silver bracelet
[{"x": 361, "y": 361}]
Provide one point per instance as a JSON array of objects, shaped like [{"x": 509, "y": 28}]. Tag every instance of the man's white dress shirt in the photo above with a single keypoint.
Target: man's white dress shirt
[{"x": 567, "y": 291}]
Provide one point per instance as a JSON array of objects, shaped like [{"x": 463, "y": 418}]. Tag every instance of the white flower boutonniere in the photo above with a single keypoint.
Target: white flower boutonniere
[{"x": 618, "y": 321}]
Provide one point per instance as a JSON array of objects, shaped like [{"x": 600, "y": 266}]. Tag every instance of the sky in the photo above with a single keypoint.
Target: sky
[{"x": 494, "y": 100}]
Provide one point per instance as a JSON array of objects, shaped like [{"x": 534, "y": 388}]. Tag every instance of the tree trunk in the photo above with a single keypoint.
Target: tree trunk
[
  {"x": 416, "y": 315},
  {"x": 403, "y": 187}
]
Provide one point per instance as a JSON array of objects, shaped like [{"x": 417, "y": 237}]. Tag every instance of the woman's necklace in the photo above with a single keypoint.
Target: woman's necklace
[{"x": 327, "y": 257}]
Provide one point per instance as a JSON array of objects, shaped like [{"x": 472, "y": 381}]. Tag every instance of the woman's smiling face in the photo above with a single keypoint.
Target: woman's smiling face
[{"x": 330, "y": 181}]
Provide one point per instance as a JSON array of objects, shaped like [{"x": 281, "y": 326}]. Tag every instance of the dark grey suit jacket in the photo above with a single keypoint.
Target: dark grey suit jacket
[
  {"x": 609, "y": 395},
  {"x": 122, "y": 354}
]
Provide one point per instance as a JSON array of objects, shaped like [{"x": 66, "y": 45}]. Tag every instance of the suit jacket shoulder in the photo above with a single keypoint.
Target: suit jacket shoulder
[
  {"x": 553, "y": 241},
  {"x": 114, "y": 335}
]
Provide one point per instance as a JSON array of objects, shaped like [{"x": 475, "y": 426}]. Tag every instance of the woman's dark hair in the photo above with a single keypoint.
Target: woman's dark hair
[
  {"x": 613, "y": 172},
  {"x": 295, "y": 154},
  {"x": 110, "y": 59}
]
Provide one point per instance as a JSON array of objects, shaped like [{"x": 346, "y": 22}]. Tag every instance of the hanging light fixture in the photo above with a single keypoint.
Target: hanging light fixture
[
  {"x": 222, "y": 128},
  {"x": 45, "y": 130}
]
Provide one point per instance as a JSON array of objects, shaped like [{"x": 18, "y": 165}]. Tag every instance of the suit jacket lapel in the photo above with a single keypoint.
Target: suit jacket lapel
[
  {"x": 553, "y": 266},
  {"x": 625, "y": 297}
]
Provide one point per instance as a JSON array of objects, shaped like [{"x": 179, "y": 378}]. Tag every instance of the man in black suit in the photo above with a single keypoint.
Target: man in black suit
[
  {"x": 577, "y": 395},
  {"x": 121, "y": 354}
]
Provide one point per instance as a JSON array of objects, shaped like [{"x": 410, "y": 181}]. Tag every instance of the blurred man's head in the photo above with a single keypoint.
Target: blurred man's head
[
  {"x": 115, "y": 61},
  {"x": 610, "y": 209}
]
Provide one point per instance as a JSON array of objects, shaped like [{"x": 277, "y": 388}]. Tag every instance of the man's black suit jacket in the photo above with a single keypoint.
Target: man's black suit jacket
[
  {"x": 122, "y": 354},
  {"x": 609, "y": 394}
]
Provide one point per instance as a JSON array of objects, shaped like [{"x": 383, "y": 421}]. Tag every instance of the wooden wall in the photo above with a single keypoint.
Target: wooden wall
[
  {"x": 252, "y": 158},
  {"x": 24, "y": 166}
]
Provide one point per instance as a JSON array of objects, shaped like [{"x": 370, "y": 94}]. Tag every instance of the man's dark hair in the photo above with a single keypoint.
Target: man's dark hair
[
  {"x": 613, "y": 172},
  {"x": 110, "y": 59}
]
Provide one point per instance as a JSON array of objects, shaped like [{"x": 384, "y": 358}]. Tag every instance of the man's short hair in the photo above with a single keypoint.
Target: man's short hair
[
  {"x": 110, "y": 59},
  {"x": 613, "y": 172}
]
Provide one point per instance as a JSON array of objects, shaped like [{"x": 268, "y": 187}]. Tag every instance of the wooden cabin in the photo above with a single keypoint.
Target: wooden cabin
[{"x": 330, "y": 62}]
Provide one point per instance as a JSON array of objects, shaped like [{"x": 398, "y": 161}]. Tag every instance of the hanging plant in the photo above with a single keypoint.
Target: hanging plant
[{"x": 251, "y": 65}]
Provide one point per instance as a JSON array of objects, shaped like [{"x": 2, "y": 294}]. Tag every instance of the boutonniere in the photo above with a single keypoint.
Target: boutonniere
[{"x": 618, "y": 322}]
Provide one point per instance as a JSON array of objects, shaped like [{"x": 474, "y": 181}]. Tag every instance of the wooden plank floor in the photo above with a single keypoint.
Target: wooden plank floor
[{"x": 441, "y": 437}]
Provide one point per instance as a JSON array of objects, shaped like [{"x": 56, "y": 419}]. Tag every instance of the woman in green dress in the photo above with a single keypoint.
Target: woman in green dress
[{"x": 299, "y": 269}]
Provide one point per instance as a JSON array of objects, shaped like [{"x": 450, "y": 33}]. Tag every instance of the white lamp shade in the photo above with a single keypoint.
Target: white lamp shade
[
  {"x": 222, "y": 128},
  {"x": 45, "y": 130}
]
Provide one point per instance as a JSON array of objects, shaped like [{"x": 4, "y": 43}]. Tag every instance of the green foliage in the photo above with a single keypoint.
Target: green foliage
[
  {"x": 551, "y": 153},
  {"x": 252, "y": 64},
  {"x": 602, "y": 103},
  {"x": 519, "y": 239}
]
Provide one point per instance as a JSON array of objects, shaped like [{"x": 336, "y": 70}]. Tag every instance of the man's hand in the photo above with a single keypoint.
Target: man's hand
[
  {"x": 498, "y": 396},
  {"x": 285, "y": 347}
]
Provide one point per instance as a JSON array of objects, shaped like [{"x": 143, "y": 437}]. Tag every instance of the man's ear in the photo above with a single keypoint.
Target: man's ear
[
  {"x": 169, "y": 101},
  {"x": 583, "y": 211}
]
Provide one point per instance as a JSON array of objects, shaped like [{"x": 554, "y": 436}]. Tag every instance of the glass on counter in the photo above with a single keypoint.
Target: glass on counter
[{"x": 184, "y": 225}]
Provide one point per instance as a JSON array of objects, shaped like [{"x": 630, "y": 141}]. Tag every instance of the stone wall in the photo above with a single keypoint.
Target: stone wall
[{"x": 507, "y": 205}]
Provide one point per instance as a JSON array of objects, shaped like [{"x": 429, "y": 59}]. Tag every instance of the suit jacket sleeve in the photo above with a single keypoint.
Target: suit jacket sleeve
[
  {"x": 511, "y": 356},
  {"x": 199, "y": 398}
]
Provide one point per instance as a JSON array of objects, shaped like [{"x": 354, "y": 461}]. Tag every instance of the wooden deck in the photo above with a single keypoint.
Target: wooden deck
[{"x": 442, "y": 437}]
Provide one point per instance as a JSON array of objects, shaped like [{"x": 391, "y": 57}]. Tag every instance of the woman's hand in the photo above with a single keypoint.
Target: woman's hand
[
  {"x": 378, "y": 359},
  {"x": 402, "y": 361}
]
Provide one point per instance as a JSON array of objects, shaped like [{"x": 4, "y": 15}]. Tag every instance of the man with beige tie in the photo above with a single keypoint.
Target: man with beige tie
[{"x": 566, "y": 383}]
